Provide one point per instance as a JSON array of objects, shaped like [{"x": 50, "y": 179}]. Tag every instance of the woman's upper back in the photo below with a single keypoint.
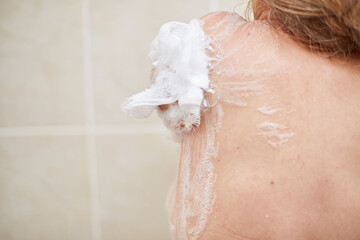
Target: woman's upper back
[{"x": 288, "y": 160}]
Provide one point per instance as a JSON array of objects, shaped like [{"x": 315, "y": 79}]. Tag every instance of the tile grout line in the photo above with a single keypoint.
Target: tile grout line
[{"x": 90, "y": 123}]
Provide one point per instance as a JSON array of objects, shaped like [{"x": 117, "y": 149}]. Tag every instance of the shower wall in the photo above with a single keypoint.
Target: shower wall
[{"x": 72, "y": 165}]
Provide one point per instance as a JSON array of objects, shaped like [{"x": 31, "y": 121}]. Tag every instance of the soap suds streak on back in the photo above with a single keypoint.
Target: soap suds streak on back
[
  {"x": 236, "y": 92},
  {"x": 196, "y": 179},
  {"x": 274, "y": 133},
  {"x": 267, "y": 110}
]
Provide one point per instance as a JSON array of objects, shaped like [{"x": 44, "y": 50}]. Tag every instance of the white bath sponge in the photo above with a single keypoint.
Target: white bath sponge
[{"x": 180, "y": 58}]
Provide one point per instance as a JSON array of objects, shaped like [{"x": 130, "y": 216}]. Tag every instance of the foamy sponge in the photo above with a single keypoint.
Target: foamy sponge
[{"x": 180, "y": 58}]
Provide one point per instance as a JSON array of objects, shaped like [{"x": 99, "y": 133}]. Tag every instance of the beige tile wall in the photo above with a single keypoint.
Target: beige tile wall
[
  {"x": 72, "y": 165},
  {"x": 44, "y": 188}
]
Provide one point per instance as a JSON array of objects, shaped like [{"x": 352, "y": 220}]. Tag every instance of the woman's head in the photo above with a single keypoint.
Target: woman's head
[{"x": 329, "y": 26}]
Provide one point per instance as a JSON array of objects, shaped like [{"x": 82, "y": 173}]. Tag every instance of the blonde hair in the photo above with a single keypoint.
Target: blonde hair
[{"x": 328, "y": 26}]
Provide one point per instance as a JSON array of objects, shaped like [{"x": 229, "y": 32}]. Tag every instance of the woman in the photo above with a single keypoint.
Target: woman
[{"x": 277, "y": 152}]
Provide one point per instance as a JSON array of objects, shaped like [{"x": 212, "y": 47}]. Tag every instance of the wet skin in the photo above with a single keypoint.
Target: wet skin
[{"x": 309, "y": 187}]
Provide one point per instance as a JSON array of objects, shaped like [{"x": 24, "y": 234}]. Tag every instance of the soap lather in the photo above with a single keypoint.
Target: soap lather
[{"x": 179, "y": 55}]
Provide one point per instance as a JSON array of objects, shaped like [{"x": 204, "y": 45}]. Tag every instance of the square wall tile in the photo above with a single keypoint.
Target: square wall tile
[
  {"x": 122, "y": 32},
  {"x": 135, "y": 174},
  {"x": 41, "y": 71},
  {"x": 44, "y": 190}
]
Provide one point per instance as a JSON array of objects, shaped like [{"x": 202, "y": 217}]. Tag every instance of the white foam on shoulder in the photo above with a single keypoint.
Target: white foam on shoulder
[{"x": 181, "y": 62}]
